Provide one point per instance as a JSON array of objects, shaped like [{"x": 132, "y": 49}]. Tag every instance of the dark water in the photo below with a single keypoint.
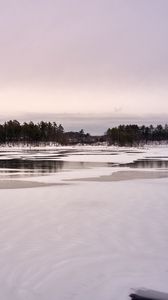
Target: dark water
[
  {"x": 147, "y": 163},
  {"x": 34, "y": 163},
  {"x": 15, "y": 167}
]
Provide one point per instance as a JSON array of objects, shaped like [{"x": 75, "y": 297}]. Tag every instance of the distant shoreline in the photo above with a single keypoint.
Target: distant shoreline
[
  {"x": 52, "y": 146},
  {"x": 29, "y": 133}
]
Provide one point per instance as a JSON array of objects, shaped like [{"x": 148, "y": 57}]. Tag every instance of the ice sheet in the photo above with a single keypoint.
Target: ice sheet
[{"x": 86, "y": 240}]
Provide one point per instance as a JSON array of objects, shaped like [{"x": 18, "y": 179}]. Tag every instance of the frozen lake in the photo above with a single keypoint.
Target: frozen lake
[{"x": 69, "y": 231}]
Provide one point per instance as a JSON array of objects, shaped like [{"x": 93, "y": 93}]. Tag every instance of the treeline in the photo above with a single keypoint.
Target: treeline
[
  {"x": 14, "y": 132},
  {"x": 136, "y": 135}
]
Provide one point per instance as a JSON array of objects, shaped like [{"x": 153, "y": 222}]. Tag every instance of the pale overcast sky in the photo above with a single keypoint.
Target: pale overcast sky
[{"x": 92, "y": 56}]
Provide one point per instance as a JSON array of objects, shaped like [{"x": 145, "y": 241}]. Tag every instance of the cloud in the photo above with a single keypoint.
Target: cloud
[{"x": 84, "y": 55}]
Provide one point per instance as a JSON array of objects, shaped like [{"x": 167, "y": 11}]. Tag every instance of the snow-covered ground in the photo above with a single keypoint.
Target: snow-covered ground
[{"x": 84, "y": 240}]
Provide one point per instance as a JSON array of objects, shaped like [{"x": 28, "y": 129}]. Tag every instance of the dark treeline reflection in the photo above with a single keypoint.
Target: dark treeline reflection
[
  {"x": 147, "y": 163},
  {"x": 45, "y": 166},
  {"x": 41, "y": 166}
]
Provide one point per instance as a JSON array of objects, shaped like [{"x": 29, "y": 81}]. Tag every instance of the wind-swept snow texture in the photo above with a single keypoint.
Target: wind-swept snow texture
[{"x": 85, "y": 240}]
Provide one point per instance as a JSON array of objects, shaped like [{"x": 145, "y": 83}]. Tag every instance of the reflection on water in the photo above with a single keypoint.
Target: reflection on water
[
  {"x": 27, "y": 167},
  {"x": 37, "y": 163},
  {"x": 41, "y": 166},
  {"x": 147, "y": 163}
]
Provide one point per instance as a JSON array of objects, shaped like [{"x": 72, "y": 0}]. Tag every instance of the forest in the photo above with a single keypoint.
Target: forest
[
  {"x": 133, "y": 135},
  {"x": 12, "y": 132},
  {"x": 27, "y": 133}
]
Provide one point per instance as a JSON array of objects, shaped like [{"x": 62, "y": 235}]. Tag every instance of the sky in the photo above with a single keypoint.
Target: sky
[{"x": 71, "y": 57}]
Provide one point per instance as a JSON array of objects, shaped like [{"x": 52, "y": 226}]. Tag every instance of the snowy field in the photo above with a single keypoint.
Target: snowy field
[{"x": 78, "y": 240}]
